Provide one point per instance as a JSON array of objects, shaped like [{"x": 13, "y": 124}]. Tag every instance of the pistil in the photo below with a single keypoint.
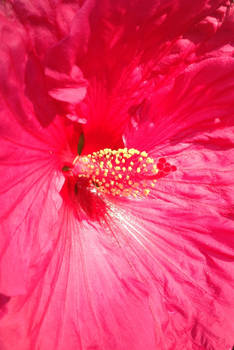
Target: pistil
[{"x": 123, "y": 172}]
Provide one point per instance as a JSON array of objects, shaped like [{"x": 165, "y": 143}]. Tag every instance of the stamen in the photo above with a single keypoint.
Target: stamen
[{"x": 105, "y": 172}]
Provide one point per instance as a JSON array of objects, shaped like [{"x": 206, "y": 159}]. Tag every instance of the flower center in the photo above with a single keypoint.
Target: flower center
[{"x": 122, "y": 172}]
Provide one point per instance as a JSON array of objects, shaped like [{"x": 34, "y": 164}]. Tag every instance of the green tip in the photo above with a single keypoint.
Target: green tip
[
  {"x": 65, "y": 168},
  {"x": 80, "y": 144}
]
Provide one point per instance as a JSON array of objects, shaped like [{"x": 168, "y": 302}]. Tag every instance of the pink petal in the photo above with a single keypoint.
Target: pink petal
[
  {"x": 83, "y": 311},
  {"x": 198, "y": 100},
  {"x": 198, "y": 135},
  {"x": 46, "y": 22},
  {"x": 28, "y": 191}
]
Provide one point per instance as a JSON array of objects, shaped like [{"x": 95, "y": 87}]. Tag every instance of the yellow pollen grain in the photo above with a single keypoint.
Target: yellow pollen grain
[
  {"x": 138, "y": 170},
  {"x": 146, "y": 192},
  {"x": 130, "y": 168},
  {"x": 132, "y": 151},
  {"x": 144, "y": 154},
  {"x": 117, "y": 168}
]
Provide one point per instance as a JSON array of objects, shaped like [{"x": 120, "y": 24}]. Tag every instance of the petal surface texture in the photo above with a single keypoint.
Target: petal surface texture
[{"x": 117, "y": 175}]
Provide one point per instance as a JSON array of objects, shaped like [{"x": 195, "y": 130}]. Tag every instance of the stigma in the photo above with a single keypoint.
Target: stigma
[{"x": 125, "y": 172}]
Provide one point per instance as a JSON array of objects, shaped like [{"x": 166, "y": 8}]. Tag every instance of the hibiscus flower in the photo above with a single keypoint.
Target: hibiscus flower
[{"x": 116, "y": 158}]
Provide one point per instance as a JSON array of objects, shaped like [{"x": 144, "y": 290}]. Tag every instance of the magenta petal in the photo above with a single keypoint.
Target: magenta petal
[
  {"x": 62, "y": 56},
  {"x": 27, "y": 165},
  {"x": 198, "y": 100},
  {"x": 46, "y": 22}
]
